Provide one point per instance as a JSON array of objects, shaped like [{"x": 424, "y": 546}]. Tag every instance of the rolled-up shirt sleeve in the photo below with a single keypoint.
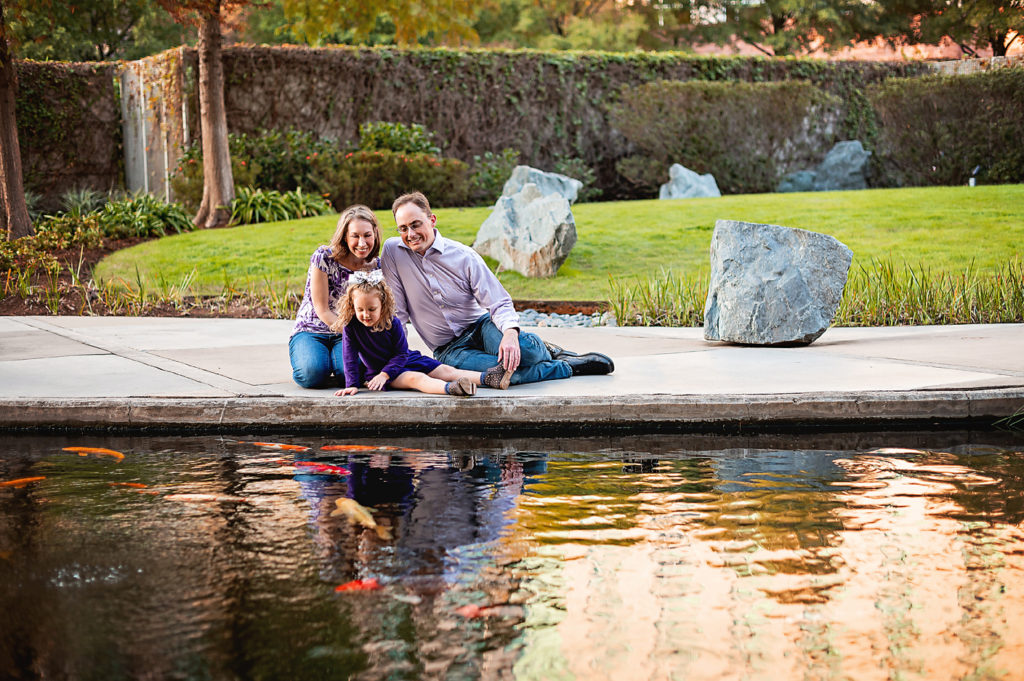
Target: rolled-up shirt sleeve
[{"x": 491, "y": 295}]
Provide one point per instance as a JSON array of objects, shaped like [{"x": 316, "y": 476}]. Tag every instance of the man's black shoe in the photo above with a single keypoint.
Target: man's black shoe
[
  {"x": 590, "y": 364},
  {"x": 558, "y": 352}
]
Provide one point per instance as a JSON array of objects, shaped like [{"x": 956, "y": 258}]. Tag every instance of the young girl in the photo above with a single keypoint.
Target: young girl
[
  {"x": 314, "y": 350},
  {"x": 377, "y": 353}
]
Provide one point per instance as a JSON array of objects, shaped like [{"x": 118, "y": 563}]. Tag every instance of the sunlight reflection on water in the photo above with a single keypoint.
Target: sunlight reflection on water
[{"x": 216, "y": 558}]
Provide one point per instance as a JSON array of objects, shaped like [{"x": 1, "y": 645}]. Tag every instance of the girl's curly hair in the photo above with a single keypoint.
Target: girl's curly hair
[{"x": 346, "y": 310}]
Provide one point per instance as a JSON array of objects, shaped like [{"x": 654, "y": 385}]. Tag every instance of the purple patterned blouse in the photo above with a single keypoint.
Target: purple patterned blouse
[{"x": 306, "y": 318}]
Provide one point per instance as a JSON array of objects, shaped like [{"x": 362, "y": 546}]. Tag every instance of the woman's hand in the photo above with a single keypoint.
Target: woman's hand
[
  {"x": 346, "y": 391},
  {"x": 509, "y": 353},
  {"x": 378, "y": 382}
]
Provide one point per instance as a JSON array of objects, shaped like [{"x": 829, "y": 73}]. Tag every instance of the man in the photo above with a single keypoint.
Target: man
[{"x": 461, "y": 310}]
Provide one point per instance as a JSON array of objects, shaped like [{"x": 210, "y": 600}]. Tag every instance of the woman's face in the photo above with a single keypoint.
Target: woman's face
[
  {"x": 366, "y": 306},
  {"x": 359, "y": 238}
]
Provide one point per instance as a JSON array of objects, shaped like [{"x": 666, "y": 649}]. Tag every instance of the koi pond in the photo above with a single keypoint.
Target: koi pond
[{"x": 826, "y": 556}]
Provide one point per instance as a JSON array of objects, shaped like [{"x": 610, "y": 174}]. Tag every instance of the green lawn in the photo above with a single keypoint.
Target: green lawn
[{"x": 943, "y": 228}]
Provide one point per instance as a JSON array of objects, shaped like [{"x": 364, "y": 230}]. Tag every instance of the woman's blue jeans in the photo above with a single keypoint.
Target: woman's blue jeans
[
  {"x": 315, "y": 357},
  {"x": 477, "y": 350}
]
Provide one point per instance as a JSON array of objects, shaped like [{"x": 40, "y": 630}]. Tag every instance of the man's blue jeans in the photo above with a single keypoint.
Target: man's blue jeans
[
  {"x": 477, "y": 350},
  {"x": 314, "y": 357}
]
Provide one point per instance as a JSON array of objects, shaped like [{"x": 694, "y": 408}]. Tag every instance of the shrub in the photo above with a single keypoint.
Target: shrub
[
  {"x": 643, "y": 172},
  {"x": 936, "y": 130},
  {"x": 80, "y": 202},
  {"x": 142, "y": 215},
  {"x": 187, "y": 180},
  {"x": 578, "y": 169},
  {"x": 64, "y": 231},
  {"x": 375, "y": 178},
  {"x": 747, "y": 134},
  {"x": 268, "y": 205},
  {"x": 408, "y": 139},
  {"x": 489, "y": 173},
  {"x": 269, "y": 159}
]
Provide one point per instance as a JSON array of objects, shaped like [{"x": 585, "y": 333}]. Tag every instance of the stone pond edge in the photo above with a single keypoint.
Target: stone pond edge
[{"x": 877, "y": 410}]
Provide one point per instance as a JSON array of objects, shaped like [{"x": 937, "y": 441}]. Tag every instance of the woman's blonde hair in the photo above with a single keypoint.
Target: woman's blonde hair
[
  {"x": 346, "y": 309},
  {"x": 339, "y": 246}
]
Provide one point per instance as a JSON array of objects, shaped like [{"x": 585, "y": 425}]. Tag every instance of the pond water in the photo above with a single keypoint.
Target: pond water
[{"x": 888, "y": 556}]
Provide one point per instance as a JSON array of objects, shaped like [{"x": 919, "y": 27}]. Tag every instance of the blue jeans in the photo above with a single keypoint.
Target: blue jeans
[
  {"x": 477, "y": 350},
  {"x": 314, "y": 357}
]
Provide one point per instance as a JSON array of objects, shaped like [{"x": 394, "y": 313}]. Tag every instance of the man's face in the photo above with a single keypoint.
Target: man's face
[{"x": 415, "y": 226}]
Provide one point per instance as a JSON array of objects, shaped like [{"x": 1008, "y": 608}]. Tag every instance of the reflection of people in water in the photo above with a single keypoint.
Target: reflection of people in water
[{"x": 430, "y": 509}]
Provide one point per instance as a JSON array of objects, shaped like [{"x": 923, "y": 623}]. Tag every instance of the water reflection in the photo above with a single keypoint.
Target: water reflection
[{"x": 636, "y": 558}]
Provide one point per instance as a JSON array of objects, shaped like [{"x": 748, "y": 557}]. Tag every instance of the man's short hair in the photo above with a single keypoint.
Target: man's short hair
[{"x": 416, "y": 198}]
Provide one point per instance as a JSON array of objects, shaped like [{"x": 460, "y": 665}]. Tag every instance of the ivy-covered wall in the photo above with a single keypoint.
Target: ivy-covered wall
[
  {"x": 69, "y": 127},
  {"x": 545, "y": 104}
]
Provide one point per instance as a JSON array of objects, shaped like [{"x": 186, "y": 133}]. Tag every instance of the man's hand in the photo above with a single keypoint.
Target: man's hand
[
  {"x": 509, "y": 353},
  {"x": 377, "y": 382}
]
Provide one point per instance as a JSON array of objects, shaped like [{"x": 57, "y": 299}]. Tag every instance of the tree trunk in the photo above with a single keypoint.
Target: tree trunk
[
  {"x": 997, "y": 39},
  {"x": 13, "y": 211},
  {"x": 218, "y": 184}
]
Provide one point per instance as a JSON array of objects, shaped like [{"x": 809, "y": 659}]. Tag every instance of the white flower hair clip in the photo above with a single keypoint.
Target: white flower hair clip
[{"x": 371, "y": 277}]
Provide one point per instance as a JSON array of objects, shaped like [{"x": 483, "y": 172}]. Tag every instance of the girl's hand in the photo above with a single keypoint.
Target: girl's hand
[
  {"x": 346, "y": 391},
  {"x": 378, "y": 381}
]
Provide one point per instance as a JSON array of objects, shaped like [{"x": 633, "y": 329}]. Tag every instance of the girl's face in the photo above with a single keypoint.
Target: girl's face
[
  {"x": 359, "y": 238},
  {"x": 367, "y": 307}
]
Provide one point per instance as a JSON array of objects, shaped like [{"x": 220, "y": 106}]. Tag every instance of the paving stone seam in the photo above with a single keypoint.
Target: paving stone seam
[{"x": 207, "y": 378}]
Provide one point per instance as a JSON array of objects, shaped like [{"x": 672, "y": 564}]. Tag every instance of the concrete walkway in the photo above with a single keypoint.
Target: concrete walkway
[{"x": 149, "y": 372}]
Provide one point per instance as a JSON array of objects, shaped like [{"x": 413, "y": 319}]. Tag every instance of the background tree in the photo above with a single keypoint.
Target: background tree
[
  {"x": 444, "y": 21},
  {"x": 95, "y": 30},
  {"x": 774, "y": 27},
  {"x": 971, "y": 24},
  {"x": 218, "y": 183},
  {"x": 16, "y": 222}
]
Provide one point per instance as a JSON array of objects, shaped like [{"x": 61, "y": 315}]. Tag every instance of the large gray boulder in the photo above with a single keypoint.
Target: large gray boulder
[
  {"x": 683, "y": 183},
  {"x": 528, "y": 232},
  {"x": 547, "y": 183},
  {"x": 845, "y": 167},
  {"x": 773, "y": 285}
]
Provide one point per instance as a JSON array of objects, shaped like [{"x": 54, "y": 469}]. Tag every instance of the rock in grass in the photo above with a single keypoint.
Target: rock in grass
[
  {"x": 845, "y": 167},
  {"x": 528, "y": 232},
  {"x": 547, "y": 183},
  {"x": 683, "y": 183},
  {"x": 773, "y": 285}
]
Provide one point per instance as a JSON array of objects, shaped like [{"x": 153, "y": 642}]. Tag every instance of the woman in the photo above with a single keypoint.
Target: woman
[{"x": 314, "y": 350}]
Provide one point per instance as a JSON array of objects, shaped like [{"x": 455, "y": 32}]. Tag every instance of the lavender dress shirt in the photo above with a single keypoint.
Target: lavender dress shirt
[{"x": 444, "y": 290}]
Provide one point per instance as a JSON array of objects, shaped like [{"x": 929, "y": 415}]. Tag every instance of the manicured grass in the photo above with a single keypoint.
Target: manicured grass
[{"x": 943, "y": 228}]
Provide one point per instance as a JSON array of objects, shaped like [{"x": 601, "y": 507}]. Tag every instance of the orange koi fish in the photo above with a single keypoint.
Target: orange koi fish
[
  {"x": 21, "y": 482},
  {"x": 206, "y": 498},
  {"x": 278, "y": 445},
  {"x": 134, "y": 485},
  {"x": 314, "y": 467},
  {"x": 370, "y": 584},
  {"x": 98, "y": 451},
  {"x": 471, "y": 611}
]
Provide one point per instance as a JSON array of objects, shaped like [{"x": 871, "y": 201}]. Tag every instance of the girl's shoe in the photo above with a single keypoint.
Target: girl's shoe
[
  {"x": 462, "y": 387},
  {"x": 496, "y": 377}
]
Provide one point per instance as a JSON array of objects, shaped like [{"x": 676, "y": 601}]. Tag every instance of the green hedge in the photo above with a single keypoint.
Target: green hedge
[
  {"x": 936, "y": 130},
  {"x": 746, "y": 134}
]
